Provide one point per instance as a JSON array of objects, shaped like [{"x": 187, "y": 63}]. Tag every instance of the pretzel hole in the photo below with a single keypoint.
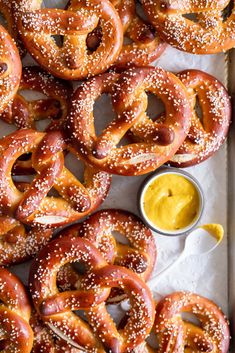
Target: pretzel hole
[
  {"x": 191, "y": 318},
  {"x": 58, "y": 4},
  {"x": 3, "y": 20},
  {"x": 94, "y": 39},
  {"x": 156, "y": 107},
  {"x": 227, "y": 11},
  {"x": 120, "y": 238},
  {"x": 103, "y": 105},
  {"x": 58, "y": 39},
  {"x": 75, "y": 166},
  {"x": 191, "y": 16}
]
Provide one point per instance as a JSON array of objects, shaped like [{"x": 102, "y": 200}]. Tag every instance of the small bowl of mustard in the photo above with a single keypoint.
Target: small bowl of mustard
[{"x": 171, "y": 201}]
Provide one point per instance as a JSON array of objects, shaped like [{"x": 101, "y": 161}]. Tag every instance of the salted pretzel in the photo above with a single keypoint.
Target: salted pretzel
[
  {"x": 209, "y": 33},
  {"x": 72, "y": 60},
  {"x": 145, "y": 46},
  {"x": 33, "y": 205},
  {"x": 207, "y": 133},
  {"x": 24, "y": 114},
  {"x": 18, "y": 244},
  {"x": 7, "y": 12},
  {"x": 173, "y": 331},
  {"x": 139, "y": 254},
  {"x": 45, "y": 341},
  {"x": 159, "y": 142},
  {"x": 56, "y": 309},
  {"x": 10, "y": 69},
  {"x": 15, "y": 332}
]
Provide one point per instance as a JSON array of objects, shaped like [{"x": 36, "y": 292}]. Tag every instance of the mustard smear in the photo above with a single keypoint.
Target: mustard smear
[{"x": 216, "y": 230}]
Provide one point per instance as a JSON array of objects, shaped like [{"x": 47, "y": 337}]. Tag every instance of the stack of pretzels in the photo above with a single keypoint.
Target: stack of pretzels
[{"x": 109, "y": 45}]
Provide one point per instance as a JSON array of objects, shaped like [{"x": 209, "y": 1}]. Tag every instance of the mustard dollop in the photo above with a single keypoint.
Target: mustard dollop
[{"x": 171, "y": 202}]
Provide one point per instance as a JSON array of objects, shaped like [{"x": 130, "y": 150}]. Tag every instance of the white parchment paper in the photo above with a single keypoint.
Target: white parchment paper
[{"x": 206, "y": 275}]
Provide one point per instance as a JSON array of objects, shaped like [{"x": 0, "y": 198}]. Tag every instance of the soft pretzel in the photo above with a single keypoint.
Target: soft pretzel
[
  {"x": 208, "y": 34},
  {"x": 207, "y": 133},
  {"x": 56, "y": 308},
  {"x": 159, "y": 142},
  {"x": 6, "y": 11},
  {"x": 25, "y": 114},
  {"x": 173, "y": 331},
  {"x": 72, "y": 60},
  {"x": 10, "y": 69},
  {"x": 139, "y": 254},
  {"x": 145, "y": 46},
  {"x": 15, "y": 332},
  {"x": 76, "y": 199},
  {"x": 18, "y": 244}
]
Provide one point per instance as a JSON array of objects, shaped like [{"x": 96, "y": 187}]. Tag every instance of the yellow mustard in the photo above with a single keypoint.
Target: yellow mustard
[
  {"x": 171, "y": 202},
  {"x": 216, "y": 230}
]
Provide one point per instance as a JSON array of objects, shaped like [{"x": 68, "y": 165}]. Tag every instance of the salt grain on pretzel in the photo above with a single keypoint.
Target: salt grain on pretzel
[
  {"x": 72, "y": 60},
  {"x": 139, "y": 254},
  {"x": 208, "y": 34},
  {"x": 33, "y": 205},
  {"x": 207, "y": 133},
  {"x": 18, "y": 244},
  {"x": 56, "y": 308},
  {"x": 175, "y": 332},
  {"x": 15, "y": 332},
  {"x": 159, "y": 142},
  {"x": 10, "y": 69}
]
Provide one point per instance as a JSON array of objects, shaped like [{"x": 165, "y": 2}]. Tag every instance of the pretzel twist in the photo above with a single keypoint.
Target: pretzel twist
[
  {"x": 72, "y": 60},
  {"x": 16, "y": 334},
  {"x": 56, "y": 308},
  {"x": 207, "y": 133},
  {"x": 159, "y": 141},
  {"x": 139, "y": 255},
  {"x": 174, "y": 332},
  {"x": 76, "y": 199},
  {"x": 209, "y": 34},
  {"x": 17, "y": 244},
  {"x": 10, "y": 69},
  {"x": 7, "y": 12},
  {"x": 145, "y": 46}
]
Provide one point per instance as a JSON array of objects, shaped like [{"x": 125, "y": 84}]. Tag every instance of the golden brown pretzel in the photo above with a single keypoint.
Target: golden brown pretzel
[
  {"x": 10, "y": 69},
  {"x": 72, "y": 60},
  {"x": 145, "y": 46},
  {"x": 25, "y": 114},
  {"x": 18, "y": 244},
  {"x": 173, "y": 331},
  {"x": 139, "y": 254},
  {"x": 159, "y": 142},
  {"x": 207, "y": 133},
  {"x": 99, "y": 277},
  {"x": 76, "y": 199},
  {"x": 207, "y": 35},
  {"x": 16, "y": 334},
  {"x": 6, "y": 11}
]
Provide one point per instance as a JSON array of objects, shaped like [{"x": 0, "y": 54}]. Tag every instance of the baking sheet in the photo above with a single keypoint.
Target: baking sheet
[{"x": 206, "y": 275}]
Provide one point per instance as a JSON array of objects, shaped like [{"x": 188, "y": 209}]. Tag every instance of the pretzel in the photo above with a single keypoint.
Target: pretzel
[
  {"x": 10, "y": 69},
  {"x": 75, "y": 201},
  {"x": 45, "y": 341},
  {"x": 6, "y": 11},
  {"x": 24, "y": 114},
  {"x": 209, "y": 34},
  {"x": 207, "y": 134},
  {"x": 72, "y": 60},
  {"x": 173, "y": 331},
  {"x": 15, "y": 334},
  {"x": 145, "y": 46},
  {"x": 17, "y": 244},
  {"x": 139, "y": 255},
  {"x": 56, "y": 308},
  {"x": 159, "y": 142}
]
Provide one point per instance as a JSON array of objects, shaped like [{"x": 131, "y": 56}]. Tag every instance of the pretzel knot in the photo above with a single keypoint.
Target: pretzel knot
[
  {"x": 56, "y": 308},
  {"x": 145, "y": 46},
  {"x": 207, "y": 133},
  {"x": 138, "y": 252},
  {"x": 173, "y": 331},
  {"x": 33, "y": 205},
  {"x": 71, "y": 60},
  {"x": 16, "y": 334},
  {"x": 159, "y": 142},
  {"x": 209, "y": 33},
  {"x": 10, "y": 69}
]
